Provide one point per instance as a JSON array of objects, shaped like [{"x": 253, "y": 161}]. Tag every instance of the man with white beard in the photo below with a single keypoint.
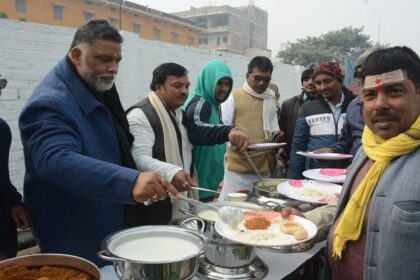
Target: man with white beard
[{"x": 79, "y": 169}]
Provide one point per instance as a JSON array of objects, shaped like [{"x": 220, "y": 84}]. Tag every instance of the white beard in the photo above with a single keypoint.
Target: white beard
[{"x": 100, "y": 83}]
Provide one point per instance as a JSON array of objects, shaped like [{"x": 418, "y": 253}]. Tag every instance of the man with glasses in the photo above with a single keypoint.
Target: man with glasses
[
  {"x": 320, "y": 120},
  {"x": 290, "y": 109},
  {"x": 252, "y": 109}
]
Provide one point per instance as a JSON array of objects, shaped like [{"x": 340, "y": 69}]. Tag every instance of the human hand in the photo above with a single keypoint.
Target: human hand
[
  {"x": 323, "y": 150},
  {"x": 21, "y": 216},
  {"x": 282, "y": 155},
  {"x": 287, "y": 211},
  {"x": 150, "y": 186},
  {"x": 182, "y": 181},
  {"x": 238, "y": 138},
  {"x": 279, "y": 136}
]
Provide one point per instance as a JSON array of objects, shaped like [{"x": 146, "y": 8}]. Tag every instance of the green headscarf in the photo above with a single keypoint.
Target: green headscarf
[{"x": 209, "y": 160}]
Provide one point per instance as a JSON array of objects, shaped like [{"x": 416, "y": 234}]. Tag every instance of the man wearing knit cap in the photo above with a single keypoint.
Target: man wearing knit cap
[
  {"x": 351, "y": 135},
  {"x": 290, "y": 108},
  {"x": 319, "y": 121}
]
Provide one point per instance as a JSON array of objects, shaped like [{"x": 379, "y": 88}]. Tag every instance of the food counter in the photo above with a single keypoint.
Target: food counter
[{"x": 279, "y": 264}]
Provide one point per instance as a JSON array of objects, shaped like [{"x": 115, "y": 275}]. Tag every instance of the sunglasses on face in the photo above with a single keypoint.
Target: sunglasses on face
[{"x": 262, "y": 79}]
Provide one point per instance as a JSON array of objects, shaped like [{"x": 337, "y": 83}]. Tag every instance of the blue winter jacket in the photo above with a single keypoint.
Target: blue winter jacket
[
  {"x": 74, "y": 186},
  {"x": 315, "y": 128},
  {"x": 350, "y": 138}
]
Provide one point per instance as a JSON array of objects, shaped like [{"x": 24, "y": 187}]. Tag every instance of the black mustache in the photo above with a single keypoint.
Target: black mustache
[{"x": 383, "y": 116}]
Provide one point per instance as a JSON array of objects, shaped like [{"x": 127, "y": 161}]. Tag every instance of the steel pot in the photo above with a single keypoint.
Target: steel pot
[
  {"x": 54, "y": 260},
  {"x": 267, "y": 195},
  {"x": 128, "y": 269},
  {"x": 220, "y": 251}
]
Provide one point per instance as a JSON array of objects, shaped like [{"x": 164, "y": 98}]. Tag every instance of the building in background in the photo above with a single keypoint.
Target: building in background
[
  {"x": 148, "y": 23},
  {"x": 241, "y": 30}
]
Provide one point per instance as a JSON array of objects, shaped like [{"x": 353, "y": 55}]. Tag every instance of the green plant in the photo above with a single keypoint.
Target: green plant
[
  {"x": 3, "y": 15},
  {"x": 22, "y": 19}
]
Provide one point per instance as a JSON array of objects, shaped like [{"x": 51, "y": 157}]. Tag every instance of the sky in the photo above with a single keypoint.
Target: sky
[{"x": 389, "y": 21}]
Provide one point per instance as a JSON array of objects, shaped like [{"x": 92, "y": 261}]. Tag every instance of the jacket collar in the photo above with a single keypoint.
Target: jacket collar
[{"x": 83, "y": 96}]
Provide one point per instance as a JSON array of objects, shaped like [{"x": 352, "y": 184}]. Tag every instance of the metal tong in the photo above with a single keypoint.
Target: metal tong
[
  {"x": 254, "y": 167},
  {"x": 206, "y": 190},
  {"x": 195, "y": 202}
]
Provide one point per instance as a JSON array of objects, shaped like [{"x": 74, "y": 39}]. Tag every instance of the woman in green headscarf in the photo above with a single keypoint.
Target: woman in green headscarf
[{"x": 205, "y": 128}]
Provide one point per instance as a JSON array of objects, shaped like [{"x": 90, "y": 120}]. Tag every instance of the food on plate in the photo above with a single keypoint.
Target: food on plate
[
  {"x": 308, "y": 192},
  {"x": 42, "y": 273},
  {"x": 272, "y": 216},
  {"x": 257, "y": 222},
  {"x": 258, "y": 236},
  {"x": 296, "y": 183},
  {"x": 208, "y": 215},
  {"x": 231, "y": 216},
  {"x": 332, "y": 171},
  {"x": 301, "y": 234},
  {"x": 290, "y": 227},
  {"x": 295, "y": 229}
]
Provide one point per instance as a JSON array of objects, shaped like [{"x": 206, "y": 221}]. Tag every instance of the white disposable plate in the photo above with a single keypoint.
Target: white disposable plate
[
  {"x": 257, "y": 237},
  {"x": 326, "y": 156},
  {"x": 265, "y": 146},
  {"x": 309, "y": 190},
  {"x": 326, "y": 175}
]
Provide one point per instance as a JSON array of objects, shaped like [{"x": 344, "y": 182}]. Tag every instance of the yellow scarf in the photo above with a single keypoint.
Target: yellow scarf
[{"x": 382, "y": 152}]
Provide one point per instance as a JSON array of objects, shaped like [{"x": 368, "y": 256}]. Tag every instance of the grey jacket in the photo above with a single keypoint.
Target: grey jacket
[{"x": 393, "y": 230}]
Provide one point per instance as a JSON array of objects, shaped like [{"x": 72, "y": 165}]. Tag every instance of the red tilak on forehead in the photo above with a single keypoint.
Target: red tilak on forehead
[
  {"x": 377, "y": 82},
  {"x": 378, "y": 85}
]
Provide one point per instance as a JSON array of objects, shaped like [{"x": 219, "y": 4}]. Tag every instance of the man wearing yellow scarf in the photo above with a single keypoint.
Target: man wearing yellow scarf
[{"x": 376, "y": 231}]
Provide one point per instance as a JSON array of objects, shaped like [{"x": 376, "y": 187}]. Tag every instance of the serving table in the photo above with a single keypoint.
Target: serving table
[{"x": 279, "y": 265}]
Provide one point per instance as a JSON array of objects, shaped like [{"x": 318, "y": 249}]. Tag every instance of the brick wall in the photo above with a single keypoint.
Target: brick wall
[{"x": 28, "y": 51}]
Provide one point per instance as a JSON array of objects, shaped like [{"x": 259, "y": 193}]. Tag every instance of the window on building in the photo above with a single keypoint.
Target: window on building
[
  {"x": 136, "y": 28},
  {"x": 89, "y": 16},
  {"x": 203, "y": 41},
  {"x": 175, "y": 37},
  {"x": 225, "y": 39},
  {"x": 202, "y": 22},
  {"x": 114, "y": 21},
  {"x": 20, "y": 6},
  {"x": 58, "y": 12},
  {"x": 157, "y": 34},
  {"x": 218, "y": 40},
  {"x": 190, "y": 41},
  {"x": 219, "y": 20},
  {"x": 88, "y": 1}
]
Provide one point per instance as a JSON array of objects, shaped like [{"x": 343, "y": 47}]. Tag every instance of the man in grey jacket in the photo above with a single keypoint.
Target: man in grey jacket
[{"x": 376, "y": 231}]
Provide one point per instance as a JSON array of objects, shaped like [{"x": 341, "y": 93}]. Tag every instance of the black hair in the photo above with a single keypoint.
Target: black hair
[
  {"x": 262, "y": 63},
  {"x": 390, "y": 59},
  {"x": 96, "y": 29},
  {"x": 306, "y": 74},
  {"x": 164, "y": 70}
]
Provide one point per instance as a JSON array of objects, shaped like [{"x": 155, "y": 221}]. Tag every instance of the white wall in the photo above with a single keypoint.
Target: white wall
[{"x": 28, "y": 51}]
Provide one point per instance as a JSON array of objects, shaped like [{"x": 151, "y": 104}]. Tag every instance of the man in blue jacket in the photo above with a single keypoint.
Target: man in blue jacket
[
  {"x": 12, "y": 212},
  {"x": 350, "y": 139},
  {"x": 320, "y": 120},
  {"x": 79, "y": 169}
]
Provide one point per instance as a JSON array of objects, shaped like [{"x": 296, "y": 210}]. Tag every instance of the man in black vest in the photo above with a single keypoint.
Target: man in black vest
[{"x": 161, "y": 142}]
